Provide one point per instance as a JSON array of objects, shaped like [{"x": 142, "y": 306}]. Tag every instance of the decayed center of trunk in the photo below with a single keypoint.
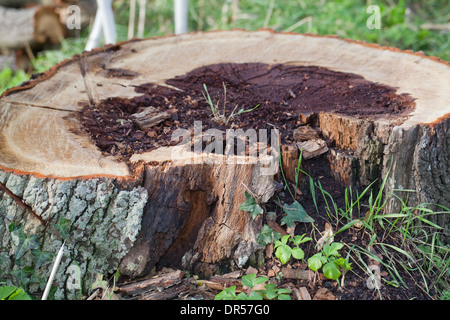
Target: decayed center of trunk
[{"x": 238, "y": 96}]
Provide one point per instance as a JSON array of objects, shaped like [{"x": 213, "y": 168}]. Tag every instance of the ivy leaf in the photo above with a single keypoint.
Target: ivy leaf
[
  {"x": 63, "y": 226},
  {"x": 331, "y": 270},
  {"x": 295, "y": 212},
  {"x": 23, "y": 276},
  {"x": 251, "y": 205},
  {"x": 42, "y": 257},
  {"x": 14, "y": 227},
  {"x": 25, "y": 243},
  {"x": 267, "y": 235}
]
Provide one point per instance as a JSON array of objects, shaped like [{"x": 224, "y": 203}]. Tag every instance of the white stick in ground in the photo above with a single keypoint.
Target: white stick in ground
[{"x": 53, "y": 273}]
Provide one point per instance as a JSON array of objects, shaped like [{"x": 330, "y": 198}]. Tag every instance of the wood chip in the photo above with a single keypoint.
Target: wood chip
[
  {"x": 327, "y": 237},
  {"x": 312, "y": 148},
  {"x": 164, "y": 280},
  {"x": 324, "y": 294},
  {"x": 295, "y": 273},
  {"x": 276, "y": 227},
  {"x": 233, "y": 275},
  {"x": 305, "y": 133},
  {"x": 167, "y": 294},
  {"x": 220, "y": 283},
  {"x": 150, "y": 117},
  {"x": 301, "y": 293},
  {"x": 251, "y": 270}
]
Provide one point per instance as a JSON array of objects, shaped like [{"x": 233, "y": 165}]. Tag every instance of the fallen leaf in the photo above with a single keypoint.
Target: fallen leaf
[{"x": 327, "y": 237}]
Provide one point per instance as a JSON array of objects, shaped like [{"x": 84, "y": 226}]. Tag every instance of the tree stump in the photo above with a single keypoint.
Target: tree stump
[{"x": 72, "y": 153}]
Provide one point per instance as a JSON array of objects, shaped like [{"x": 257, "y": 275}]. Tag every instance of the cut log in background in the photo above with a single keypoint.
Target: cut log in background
[
  {"x": 155, "y": 210},
  {"x": 30, "y": 26}
]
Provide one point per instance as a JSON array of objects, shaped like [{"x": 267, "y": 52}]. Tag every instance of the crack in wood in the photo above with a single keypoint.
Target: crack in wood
[
  {"x": 20, "y": 202},
  {"x": 40, "y": 106},
  {"x": 82, "y": 63}
]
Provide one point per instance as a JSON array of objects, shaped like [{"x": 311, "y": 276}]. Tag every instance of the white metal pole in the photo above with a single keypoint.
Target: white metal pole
[{"x": 181, "y": 16}]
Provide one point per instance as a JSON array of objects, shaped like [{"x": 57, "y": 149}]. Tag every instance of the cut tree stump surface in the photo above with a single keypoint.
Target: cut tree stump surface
[{"x": 70, "y": 144}]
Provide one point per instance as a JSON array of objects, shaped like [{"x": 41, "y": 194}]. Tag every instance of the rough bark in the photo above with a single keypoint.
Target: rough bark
[
  {"x": 104, "y": 223},
  {"x": 174, "y": 210}
]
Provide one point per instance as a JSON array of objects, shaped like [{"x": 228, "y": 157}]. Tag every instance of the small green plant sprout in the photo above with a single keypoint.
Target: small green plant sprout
[
  {"x": 103, "y": 285},
  {"x": 284, "y": 251},
  {"x": 251, "y": 205},
  {"x": 251, "y": 281},
  {"x": 221, "y": 117},
  {"x": 330, "y": 260}
]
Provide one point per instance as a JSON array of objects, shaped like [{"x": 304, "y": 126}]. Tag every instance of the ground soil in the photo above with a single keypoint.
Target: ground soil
[{"x": 283, "y": 94}]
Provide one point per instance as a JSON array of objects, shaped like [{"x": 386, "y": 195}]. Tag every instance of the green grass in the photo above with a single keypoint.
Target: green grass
[{"x": 409, "y": 240}]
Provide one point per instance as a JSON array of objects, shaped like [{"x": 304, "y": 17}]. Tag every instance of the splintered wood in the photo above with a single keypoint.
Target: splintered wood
[{"x": 150, "y": 117}]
